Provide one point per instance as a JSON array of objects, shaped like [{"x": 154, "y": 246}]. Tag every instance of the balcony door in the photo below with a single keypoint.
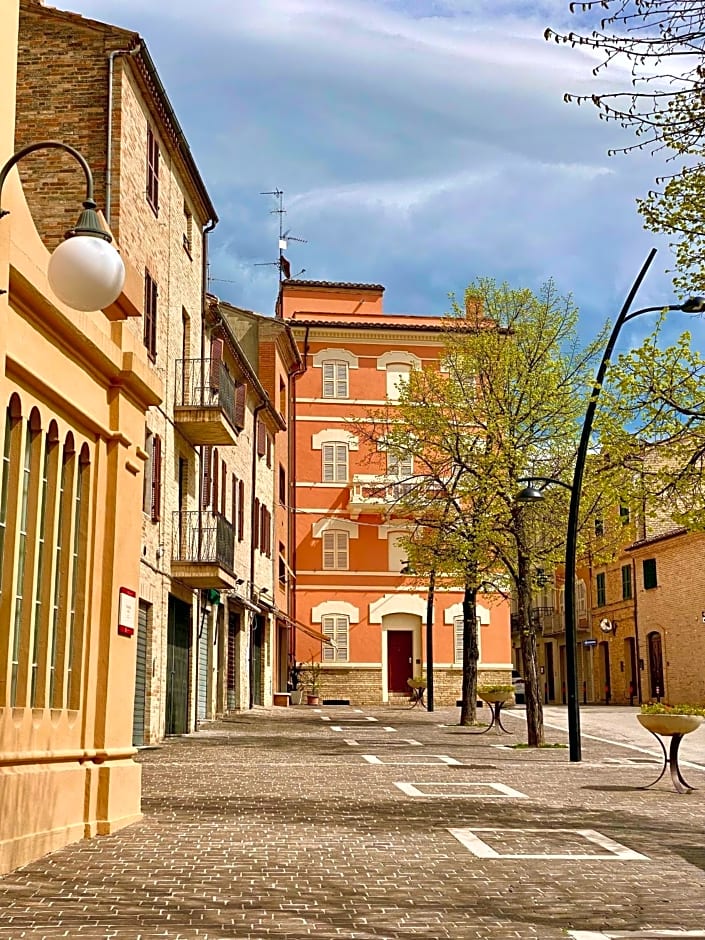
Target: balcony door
[{"x": 177, "y": 669}]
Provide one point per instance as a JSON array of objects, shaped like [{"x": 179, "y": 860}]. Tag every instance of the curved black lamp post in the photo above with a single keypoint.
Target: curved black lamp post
[
  {"x": 86, "y": 273},
  {"x": 692, "y": 305}
]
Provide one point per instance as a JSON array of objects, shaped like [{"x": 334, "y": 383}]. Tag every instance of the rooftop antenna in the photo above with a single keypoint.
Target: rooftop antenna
[{"x": 285, "y": 237}]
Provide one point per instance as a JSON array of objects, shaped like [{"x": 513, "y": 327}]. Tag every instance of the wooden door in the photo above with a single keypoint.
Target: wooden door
[
  {"x": 400, "y": 661},
  {"x": 655, "y": 665}
]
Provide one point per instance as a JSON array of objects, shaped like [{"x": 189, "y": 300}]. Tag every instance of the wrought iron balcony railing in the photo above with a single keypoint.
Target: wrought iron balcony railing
[
  {"x": 205, "y": 383},
  {"x": 205, "y": 538}
]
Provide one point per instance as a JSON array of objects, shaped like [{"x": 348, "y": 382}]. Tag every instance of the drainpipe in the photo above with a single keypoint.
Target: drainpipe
[{"x": 109, "y": 155}]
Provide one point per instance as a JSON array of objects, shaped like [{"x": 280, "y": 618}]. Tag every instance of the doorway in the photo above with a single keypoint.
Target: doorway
[
  {"x": 550, "y": 675},
  {"x": 605, "y": 670},
  {"x": 655, "y": 665},
  {"x": 400, "y": 660},
  {"x": 177, "y": 666}
]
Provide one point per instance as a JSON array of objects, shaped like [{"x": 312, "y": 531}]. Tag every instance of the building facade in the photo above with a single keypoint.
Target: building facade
[
  {"x": 74, "y": 391},
  {"x": 356, "y": 612}
]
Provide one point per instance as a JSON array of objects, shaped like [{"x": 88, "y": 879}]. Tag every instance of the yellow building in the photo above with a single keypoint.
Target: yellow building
[{"x": 74, "y": 390}]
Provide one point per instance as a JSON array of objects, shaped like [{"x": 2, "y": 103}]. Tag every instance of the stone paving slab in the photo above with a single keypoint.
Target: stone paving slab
[{"x": 272, "y": 826}]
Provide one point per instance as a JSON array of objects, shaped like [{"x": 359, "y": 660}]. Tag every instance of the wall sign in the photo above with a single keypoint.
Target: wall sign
[{"x": 127, "y": 612}]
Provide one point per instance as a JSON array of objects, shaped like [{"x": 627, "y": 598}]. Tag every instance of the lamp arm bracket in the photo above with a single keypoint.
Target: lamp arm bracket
[{"x": 49, "y": 145}]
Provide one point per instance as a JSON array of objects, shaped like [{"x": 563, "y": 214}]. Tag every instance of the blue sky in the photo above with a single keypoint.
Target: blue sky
[{"x": 419, "y": 144}]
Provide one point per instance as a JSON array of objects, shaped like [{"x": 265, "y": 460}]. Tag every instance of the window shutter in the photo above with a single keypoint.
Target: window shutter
[
  {"x": 156, "y": 477},
  {"x": 458, "y": 639},
  {"x": 260, "y": 439},
  {"x": 216, "y": 363},
  {"x": 240, "y": 397},
  {"x": 240, "y": 510},
  {"x": 216, "y": 462},
  {"x": 329, "y": 380},
  {"x": 255, "y": 525},
  {"x": 341, "y": 463},
  {"x": 342, "y": 549},
  {"x": 328, "y": 462},
  {"x": 329, "y": 550},
  {"x": 206, "y": 490},
  {"x": 341, "y": 638},
  {"x": 341, "y": 380}
]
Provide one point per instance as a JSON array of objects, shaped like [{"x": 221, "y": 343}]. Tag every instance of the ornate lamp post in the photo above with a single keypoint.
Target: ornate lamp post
[
  {"x": 85, "y": 271},
  {"x": 691, "y": 305}
]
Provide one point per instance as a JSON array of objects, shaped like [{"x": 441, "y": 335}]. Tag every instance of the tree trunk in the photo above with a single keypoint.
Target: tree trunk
[
  {"x": 529, "y": 653},
  {"x": 468, "y": 710}
]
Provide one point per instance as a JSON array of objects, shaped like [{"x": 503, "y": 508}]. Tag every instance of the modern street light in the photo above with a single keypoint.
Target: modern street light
[
  {"x": 85, "y": 271},
  {"x": 691, "y": 305}
]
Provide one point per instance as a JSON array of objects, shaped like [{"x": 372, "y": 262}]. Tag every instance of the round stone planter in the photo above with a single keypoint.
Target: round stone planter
[
  {"x": 670, "y": 724},
  {"x": 491, "y": 697}
]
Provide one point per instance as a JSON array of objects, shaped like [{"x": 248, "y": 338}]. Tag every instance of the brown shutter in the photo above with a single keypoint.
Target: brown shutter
[
  {"x": 216, "y": 362},
  {"x": 240, "y": 510},
  {"x": 156, "y": 477},
  {"x": 215, "y": 480},
  {"x": 255, "y": 525},
  {"x": 240, "y": 396},
  {"x": 261, "y": 433},
  {"x": 206, "y": 460}
]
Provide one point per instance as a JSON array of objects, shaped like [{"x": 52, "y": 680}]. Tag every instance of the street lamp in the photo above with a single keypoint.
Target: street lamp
[
  {"x": 85, "y": 271},
  {"x": 691, "y": 305}
]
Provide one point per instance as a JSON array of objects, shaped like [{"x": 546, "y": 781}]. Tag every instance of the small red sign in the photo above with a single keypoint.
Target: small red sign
[{"x": 127, "y": 612}]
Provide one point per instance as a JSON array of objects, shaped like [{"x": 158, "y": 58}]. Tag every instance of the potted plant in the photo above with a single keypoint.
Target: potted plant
[
  {"x": 660, "y": 718},
  {"x": 313, "y": 683},
  {"x": 494, "y": 693}
]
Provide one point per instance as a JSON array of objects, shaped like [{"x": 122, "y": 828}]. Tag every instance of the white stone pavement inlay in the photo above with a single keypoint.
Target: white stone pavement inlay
[
  {"x": 428, "y": 759},
  {"x": 460, "y": 789},
  {"x": 612, "y": 850}
]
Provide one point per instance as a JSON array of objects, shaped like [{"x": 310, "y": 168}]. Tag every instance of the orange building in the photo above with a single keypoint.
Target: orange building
[{"x": 356, "y": 612}]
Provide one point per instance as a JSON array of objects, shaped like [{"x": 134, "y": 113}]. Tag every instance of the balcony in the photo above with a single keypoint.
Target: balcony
[
  {"x": 371, "y": 493},
  {"x": 203, "y": 550},
  {"x": 205, "y": 407}
]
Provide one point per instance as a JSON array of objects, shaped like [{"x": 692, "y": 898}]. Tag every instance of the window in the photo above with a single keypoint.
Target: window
[
  {"x": 261, "y": 439},
  {"x": 152, "y": 170},
  {"x": 240, "y": 510},
  {"x": 282, "y": 485},
  {"x": 216, "y": 480},
  {"x": 156, "y": 483},
  {"x": 649, "y": 568},
  {"x": 335, "y": 463},
  {"x": 458, "y": 639},
  {"x": 150, "y": 314},
  {"x": 626, "y": 582},
  {"x": 335, "y": 550},
  {"x": 398, "y": 555},
  {"x": 581, "y": 597},
  {"x": 337, "y": 629},
  {"x": 401, "y": 467},
  {"x": 335, "y": 379},
  {"x": 255, "y": 525},
  {"x": 624, "y": 515},
  {"x": 397, "y": 377},
  {"x": 268, "y": 445},
  {"x": 601, "y": 590},
  {"x": 599, "y": 526},
  {"x": 282, "y": 565},
  {"x": 206, "y": 476},
  {"x": 188, "y": 230}
]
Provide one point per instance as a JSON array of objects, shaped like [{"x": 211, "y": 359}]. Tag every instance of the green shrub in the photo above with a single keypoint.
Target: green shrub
[{"x": 661, "y": 708}]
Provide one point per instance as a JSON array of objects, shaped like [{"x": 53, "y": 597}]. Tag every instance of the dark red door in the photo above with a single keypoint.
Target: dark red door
[{"x": 400, "y": 666}]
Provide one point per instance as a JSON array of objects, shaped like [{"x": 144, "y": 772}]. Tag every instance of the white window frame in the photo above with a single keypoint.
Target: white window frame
[
  {"x": 395, "y": 555},
  {"x": 336, "y": 550},
  {"x": 335, "y": 378},
  {"x": 397, "y": 373},
  {"x": 334, "y": 462},
  {"x": 337, "y": 628},
  {"x": 400, "y": 467}
]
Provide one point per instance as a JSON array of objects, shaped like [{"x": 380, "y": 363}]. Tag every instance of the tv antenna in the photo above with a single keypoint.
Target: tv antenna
[{"x": 285, "y": 237}]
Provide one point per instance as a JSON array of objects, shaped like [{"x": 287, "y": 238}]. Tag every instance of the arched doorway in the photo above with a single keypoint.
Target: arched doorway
[{"x": 656, "y": 683}]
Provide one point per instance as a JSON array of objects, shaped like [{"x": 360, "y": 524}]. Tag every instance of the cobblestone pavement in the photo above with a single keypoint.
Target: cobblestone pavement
[{"x": 276, "y": 825}]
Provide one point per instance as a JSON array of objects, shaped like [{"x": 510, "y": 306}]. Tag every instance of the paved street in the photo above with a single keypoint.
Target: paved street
[{"x": 277, "y": 825}]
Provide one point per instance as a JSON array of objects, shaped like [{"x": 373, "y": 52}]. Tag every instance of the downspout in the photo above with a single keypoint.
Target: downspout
[
  {"x": 291, "y": 521},
  {"x": 109, "y": 155}
]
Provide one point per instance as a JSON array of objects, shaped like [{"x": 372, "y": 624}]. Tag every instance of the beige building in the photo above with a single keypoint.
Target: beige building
[{"x": 74, "y": 390}]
